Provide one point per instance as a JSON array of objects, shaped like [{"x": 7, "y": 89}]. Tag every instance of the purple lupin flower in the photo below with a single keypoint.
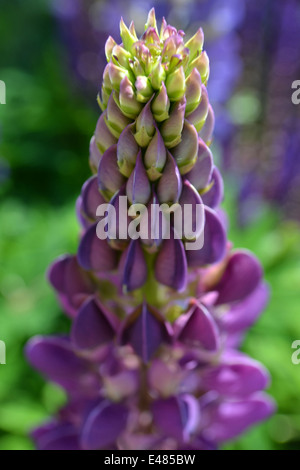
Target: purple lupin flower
[{"x": 152, "y": 361}]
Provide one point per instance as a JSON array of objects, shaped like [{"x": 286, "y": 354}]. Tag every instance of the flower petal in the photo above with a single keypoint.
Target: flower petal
[
  {"x": 198, "y": 328},
  {"x": 93, "y": 326},
  {"x": 103, "y": 426},
  {"x": 242, "y": 275},
  {"x": 171, "y": 265},
  {"x": 133, "y": 267},
  {"x": 215, "y": 241},
  {"x": 145, "y": 330},
  {"x": 214, "y": 196},
  {"x": 95, "y": 254}
]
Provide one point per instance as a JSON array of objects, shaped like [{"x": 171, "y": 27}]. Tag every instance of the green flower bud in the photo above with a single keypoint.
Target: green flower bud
[
  {"x": 106, "y": 82},
  {"x": 127, "y": 150},
  {"x": 199, "y": 115},
  {"x": 144, "y": 89},
  {"x": 155, "y": 157},
  {"x": 116, "y": 75},
  {"x": 193, "y": 91},
  {"x": 128, "y": 36},
  {"x": 195, "y": 44},
  {"x": 175, "y": 84},
  {"x": 145, "y": 126},
  {"x": 201, "y": 63},
  {"x": 109, "y": 45},
  {"x": 127, "y": 101},
  {"x": 186, "y": 152},
  {"x": 120, "y": 56},
  {"x": 171, "y": 128},
  {"x": 157, "y": 75},
  {"x": 151, "y": 20},
  {"x": 161, "y": 105},
  {"x": 115, "y": 119}
]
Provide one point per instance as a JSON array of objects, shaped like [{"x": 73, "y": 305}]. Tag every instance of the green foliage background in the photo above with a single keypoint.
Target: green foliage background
[{"x": 45, "y": 129}]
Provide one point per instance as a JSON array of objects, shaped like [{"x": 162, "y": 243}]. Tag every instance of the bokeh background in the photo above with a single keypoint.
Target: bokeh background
[{"x": 51, "y": 59}]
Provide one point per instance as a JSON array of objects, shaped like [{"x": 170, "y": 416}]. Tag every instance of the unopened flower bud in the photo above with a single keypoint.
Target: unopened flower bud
[
  {"x": 195, "y": 44},
  {"x": 170, "y": 184},
  {"x": 116, "y": 75},
  {"x": 138, "y": 187},
  {"x": 151, "y": 20},
  {"x": 127, "y": 151},
  {"x": 175, "y": 84},
  {"x": 115, "y": 119},
  {"x": 144, "y": 89},
  {"x": 127, "y": 100},
  {"x": 171, "y": 128},
  {"x": 161, "y": 105},
  {"x": 199, "y": 115},
  {"x": 128, "y": 37},
  {"x": 208, "y": 128},
  {"x": 201, "y": 63},
  {"x": 120, "y": 56},
  {"x": 185, "y": 153},
  {"x": 155, "y": 156},
  {"x": 145, "y": 126},
  {"x": 193, "y": 91},
  {"x": 158, "y": 75},
  {"x": 109, "y": 45},
  {"x": 104, "y": 138}
]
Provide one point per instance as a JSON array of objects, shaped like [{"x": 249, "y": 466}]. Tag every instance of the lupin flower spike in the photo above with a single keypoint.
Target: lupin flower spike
[{"x": 153, "y": 360}]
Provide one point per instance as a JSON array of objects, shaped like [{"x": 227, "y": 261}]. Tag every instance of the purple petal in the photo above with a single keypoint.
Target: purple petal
[
  {"x": 243, "y": 314},
  {"x": 214, "y": 247},
  {"x": 133, "y": 267},
  {"x": 177, "y": 417},
  {"x": 241, "y": 277},
  {"x": 172, "y": 127},
  {"x": 57, "y": 436},
  {"x": 155, "y": 156},
  {"x": 95, "y": 155},
  {"x": 214, "y": 196},
  {"x": 170, "y": 184},
  {"x": 103, "y": 137},
  {"x": 198, "y": 116},
  {"x": 127, "y": 151},
  {"x": 120, "y": 204},
  {"x": 93, "y": 326},
  {"x": 110, "y": 179},
  {"x": 72, "y": 283},
  {"x": 114, "y": 118},
  {"x": 201, "y": 173},
  {"x": 234, "y": 417},
  {"x": 198, "y": 328},
  {"x": 186, "y": 152},
  {"x": 55, "y": 357},
  {"x": 171, "y": 265},
  {"x": 145, "y": 330},
  {"x": 104, "y": 425},
  {"x": 138, "y": 187},
  {"x": 208, "y": 128},
  {"x": 236, "y": 378},
  {"x": 91, "y": 198},
  {"x": 95, "y": 254},
  {"x": 193, "y": 210}
]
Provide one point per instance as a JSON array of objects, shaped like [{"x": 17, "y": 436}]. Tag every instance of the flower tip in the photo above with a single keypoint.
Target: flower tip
[
  {"x": 151, "y": 20},
  {"x": 109, "y": 45}
]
